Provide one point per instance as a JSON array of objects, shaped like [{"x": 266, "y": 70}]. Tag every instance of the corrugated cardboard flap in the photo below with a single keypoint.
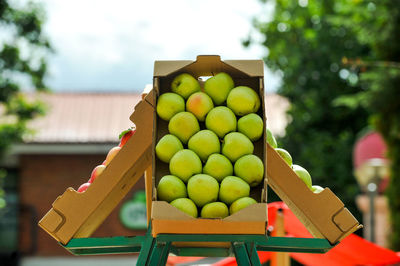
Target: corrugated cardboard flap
[
  {"x": 167, "y": 219},
  {"x": 164, "y": 211},
  {"x": 253, "y": 68},
  {"x": 163, "y": 68},
  {"x": 254, "y": 212},
  {"x": 208, "y": 65},
  {"x": 53, "y": 222},
  {"x": 344, "y": 220}
]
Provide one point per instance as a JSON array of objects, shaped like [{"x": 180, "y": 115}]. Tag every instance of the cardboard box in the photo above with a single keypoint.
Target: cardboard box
[
  {"x": 323, "y": 214},
  {"x": 78, "y": 215},
  {"x": 164, "y": 217}
]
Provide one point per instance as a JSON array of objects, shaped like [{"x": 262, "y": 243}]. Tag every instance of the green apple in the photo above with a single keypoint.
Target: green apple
[
  {"x": 169, "y": 104},
  {"x": 271, "y": 139},
  {"x": 221, "y": 120},
  {"x": 186, "y": 205},
  {"x": 185, "y": 85},
  {"x": 317, "y": 189},
  {"x": 233, "y": 188},
  {"x": 241, "y": 203},
  {"x": 183, "y": 125},
  {"x": 235, "y": 145},
  {"x": 243, "y": 100},
  {"x": 184, "y": 164},
  {"x": 167, "y": 146},
  {"x": 202, "y": 189},
  {"x": 303, "y": 174},
  {"x": 170, "y": 188},
  {"x": 199, "y": 104},
  {"x": 218, "y": 87},
  {"x": 218, "y": 166},
  {"x": 252, "y": 126},
  {"x": 250, "y": 168},
  {"x": 285, "y": 156},
  {"x": 204, "y": 143},
  {"x": 214, "y": 210}
]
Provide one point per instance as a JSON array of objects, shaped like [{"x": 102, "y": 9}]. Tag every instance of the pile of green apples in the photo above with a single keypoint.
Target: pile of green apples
[
  {"x": 210, "y": 145},
  {"x": 301, "y": 172}
]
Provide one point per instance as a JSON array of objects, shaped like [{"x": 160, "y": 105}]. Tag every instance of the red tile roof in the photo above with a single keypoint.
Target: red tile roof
[
  {"x": 84, "y": 117},
  {"x": 100, "y": 117}
]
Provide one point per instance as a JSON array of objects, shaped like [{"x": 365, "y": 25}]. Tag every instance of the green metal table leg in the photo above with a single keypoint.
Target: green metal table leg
[
  {"x": 146, "y": 250},
  {"x": 165, "y": 253},
  {"x": 159, "y": 254},
  {"x": 294, "y": 244},
  {"x": 252, "y": 251},
  {"x": 242, "y": 257}
]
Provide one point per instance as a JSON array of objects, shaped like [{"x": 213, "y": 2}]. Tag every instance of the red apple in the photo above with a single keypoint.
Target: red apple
[
  {"x": 125, "y": 136},
  {"x": 111, "y": 154},
  {"x": 83, "y": 187},
  {"x": 96, "y": 172}
]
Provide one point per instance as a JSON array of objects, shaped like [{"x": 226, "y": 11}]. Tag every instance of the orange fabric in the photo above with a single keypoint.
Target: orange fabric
[
  {"x": 352, "y": 251},
  {"x": 174, "y": 260}
]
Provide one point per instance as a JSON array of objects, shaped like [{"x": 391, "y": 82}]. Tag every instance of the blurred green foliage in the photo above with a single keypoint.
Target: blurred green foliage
[
  {"x": 379, "y": 28},
  {"x": 377, "y": 25},
  {"x": 340, "y": 68},
  {"x": 384, "y": 103},
  {"x": 306, "y": 45},
  {"x": 23, "y": 51}
]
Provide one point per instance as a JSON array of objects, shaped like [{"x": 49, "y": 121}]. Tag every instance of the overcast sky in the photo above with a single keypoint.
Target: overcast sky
[{"x": 107, "y": 45}]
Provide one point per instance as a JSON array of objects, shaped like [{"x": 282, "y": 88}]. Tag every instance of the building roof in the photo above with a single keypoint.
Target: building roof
[{"x": 83, "y": 118}]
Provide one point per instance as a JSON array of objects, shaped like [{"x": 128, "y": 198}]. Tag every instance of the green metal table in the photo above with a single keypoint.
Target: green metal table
[{"x": 154, "y": 251}]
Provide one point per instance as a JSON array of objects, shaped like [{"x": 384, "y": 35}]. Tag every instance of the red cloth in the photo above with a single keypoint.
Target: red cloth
[
  {"x": 174, "y": 260},
  {"x": 351, "y": 251}
]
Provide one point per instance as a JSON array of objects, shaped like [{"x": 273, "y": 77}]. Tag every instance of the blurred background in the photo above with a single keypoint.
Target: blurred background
[{"x": 72, "y": 71}]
